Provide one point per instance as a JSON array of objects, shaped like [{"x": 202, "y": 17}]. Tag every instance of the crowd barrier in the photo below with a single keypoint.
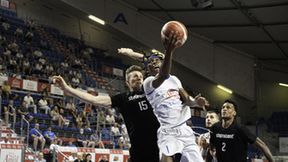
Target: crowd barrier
[{"x": 97, "y": 154}]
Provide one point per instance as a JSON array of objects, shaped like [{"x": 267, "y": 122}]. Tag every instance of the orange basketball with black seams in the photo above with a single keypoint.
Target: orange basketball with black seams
[{"x": 175, "y": 26}]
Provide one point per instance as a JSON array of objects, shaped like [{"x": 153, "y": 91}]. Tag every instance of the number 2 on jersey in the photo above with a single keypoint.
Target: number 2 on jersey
[
  {"x": 143, "y": 105},
  {"x": 223, "y": 146}
]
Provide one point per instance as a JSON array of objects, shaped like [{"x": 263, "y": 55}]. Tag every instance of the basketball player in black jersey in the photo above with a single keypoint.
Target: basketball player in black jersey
[
  {"x": 231, "y": 139},
  {"x": 138, "y": 116}
]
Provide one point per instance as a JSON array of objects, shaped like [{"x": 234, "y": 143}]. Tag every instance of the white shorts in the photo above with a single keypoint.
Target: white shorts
[{"x": 180, "y": 139}]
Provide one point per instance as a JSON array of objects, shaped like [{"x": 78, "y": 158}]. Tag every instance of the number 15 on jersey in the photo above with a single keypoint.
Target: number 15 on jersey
[{"x": 143, "y": 105}]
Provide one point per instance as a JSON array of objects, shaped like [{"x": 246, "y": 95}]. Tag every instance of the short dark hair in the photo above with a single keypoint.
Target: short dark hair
[
  {"x": 233, "y": 103},
  {"x": 131, "y": 69}
]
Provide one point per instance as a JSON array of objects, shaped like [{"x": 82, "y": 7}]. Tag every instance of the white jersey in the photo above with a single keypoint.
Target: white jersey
[{"x": 166, "y": 102}]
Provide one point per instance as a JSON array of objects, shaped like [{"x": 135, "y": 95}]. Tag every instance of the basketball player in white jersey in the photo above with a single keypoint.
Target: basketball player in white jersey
[{"x": 166, "y": 95}]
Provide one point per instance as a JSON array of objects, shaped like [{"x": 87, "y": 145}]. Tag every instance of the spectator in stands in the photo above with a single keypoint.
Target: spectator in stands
[
  {"x": 40, "y": 157},
  {"x": 6, "y": 54},
  {"x": 82, "y": 139},
  {"x": 123, "y": 143},
  {"x": 110, "y": 118},
  {"x": 103, "y": 158},
  {"x": 30, "y": 102},
  {"x": 60, "y": 104},
  {"x": 26, "y": 68},
  {"x": 79, "y": 119},
  {"x": 50, "y": 136},
  {"x": 56, "y": 116},
  {"x": 75, "y": 81},
  {"x": 6, "y": 90},
  {"x": 79, "y": 157},
  {"x": 38, "y": 69},
  {"x": 3, "y": 41},
  {"x": 28, "y": 37},
  {"x": 88, "y": 158},
  {"x": 76, "y": 64},
  {"x": 10, "y": 110},
  {"x": 36, "y": 136},
  {"x": 115, "y": 130},
  {"x": 19, "y": 55},
  {"x": 42, "y": 60},
  {"x": 24, "y": 112},
  {"x": 70, "y": 106},
  {"x": 49, "y": 69},
  {"x": 18, "y": 33},
  {"x": 112, "y": 111},
  {"x": 43, "y": 104},
  {"x": 14, "y": 47},
  {"x": 5, "y": 26},
  {"x": 71, "y": 144},
  {"x": 2, "y": 70},
  {"x": 72, "y": 157},
  {"x": 30, "y": 24},
  {"x": 37, "y": 53},
  {"x": 88, "y": 109},
  {"x": 123, "y": 129},
  {"x": 12, "y": 65},
  {"x": 101, "y": 117},
  {"x": 95, "y": 141}
]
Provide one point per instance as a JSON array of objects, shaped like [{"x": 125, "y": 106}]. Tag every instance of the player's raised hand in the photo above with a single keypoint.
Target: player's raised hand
[
  {"x": 125, "y": 51},
  {"x": 201, "y": 101},
  {"x": 59, "y": 81},
  {"x": 171, "y": 43}
]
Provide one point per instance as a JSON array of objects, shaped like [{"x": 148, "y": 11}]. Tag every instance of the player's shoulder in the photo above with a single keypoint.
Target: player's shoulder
[
  {"x": 147, "y": 84},
  {"x": 216, "y": 127},
  {"x": 218, "y": 124},
  {"x": 149, "y": 78},
  {"x": 241, "y": 127},
  {"x": 119, "y": 95}
]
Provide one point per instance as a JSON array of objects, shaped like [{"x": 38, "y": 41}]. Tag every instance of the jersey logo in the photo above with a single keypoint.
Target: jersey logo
[
  {"x": 172, "y": 93},
  {"x": 226, "y": 136},
  {"x": 130, "y": 98}
]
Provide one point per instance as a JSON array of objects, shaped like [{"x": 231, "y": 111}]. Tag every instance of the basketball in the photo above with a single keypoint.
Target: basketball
[{"x": 174, "y": 26}]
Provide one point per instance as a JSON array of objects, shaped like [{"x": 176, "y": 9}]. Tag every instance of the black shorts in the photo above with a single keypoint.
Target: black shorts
[
  {"x": 147, "y": 159},
  {"x": 144, "y": 155}
]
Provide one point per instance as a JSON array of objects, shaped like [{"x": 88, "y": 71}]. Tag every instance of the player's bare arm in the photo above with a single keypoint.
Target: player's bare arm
[
  {"x": 263, "y": 147},
  {"x": 94, "y": 100},
  {"x": 130, "y": 53},
  {"x": 198, "y": 101},
  {"x": 165, "y": 69}
]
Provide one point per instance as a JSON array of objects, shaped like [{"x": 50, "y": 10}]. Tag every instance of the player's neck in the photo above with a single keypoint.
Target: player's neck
[{"x": 227, "y": 122}]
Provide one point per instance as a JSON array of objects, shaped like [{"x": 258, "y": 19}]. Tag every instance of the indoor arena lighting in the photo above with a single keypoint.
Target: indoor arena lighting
[
  {"x": 96, "y": 19},
  {"x": 225, "y": 89},
  {"x": 283, "y": 84}
]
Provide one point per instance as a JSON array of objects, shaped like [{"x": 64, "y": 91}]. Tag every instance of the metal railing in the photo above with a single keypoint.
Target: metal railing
[
  {"x": 55, "y": 153},
  {"x": 22, "y": 130}
]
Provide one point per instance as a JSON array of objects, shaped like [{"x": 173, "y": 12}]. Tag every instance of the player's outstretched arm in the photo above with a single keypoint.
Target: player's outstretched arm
[
  {"x": 95, "y": 100},
  {"x": 198, "y": 101},
  {"x": 130, "y": 53},
  {"x": 264, "y": 148},
  {"x": 165, "y": 69}
]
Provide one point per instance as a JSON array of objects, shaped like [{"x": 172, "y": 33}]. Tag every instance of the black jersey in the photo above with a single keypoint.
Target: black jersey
[
  {"x": 141, "y": 123},
  {"x": 231, "y": 143}
]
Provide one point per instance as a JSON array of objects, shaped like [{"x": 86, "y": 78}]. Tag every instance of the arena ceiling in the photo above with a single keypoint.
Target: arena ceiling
[{"x": 257, "y": 27}]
